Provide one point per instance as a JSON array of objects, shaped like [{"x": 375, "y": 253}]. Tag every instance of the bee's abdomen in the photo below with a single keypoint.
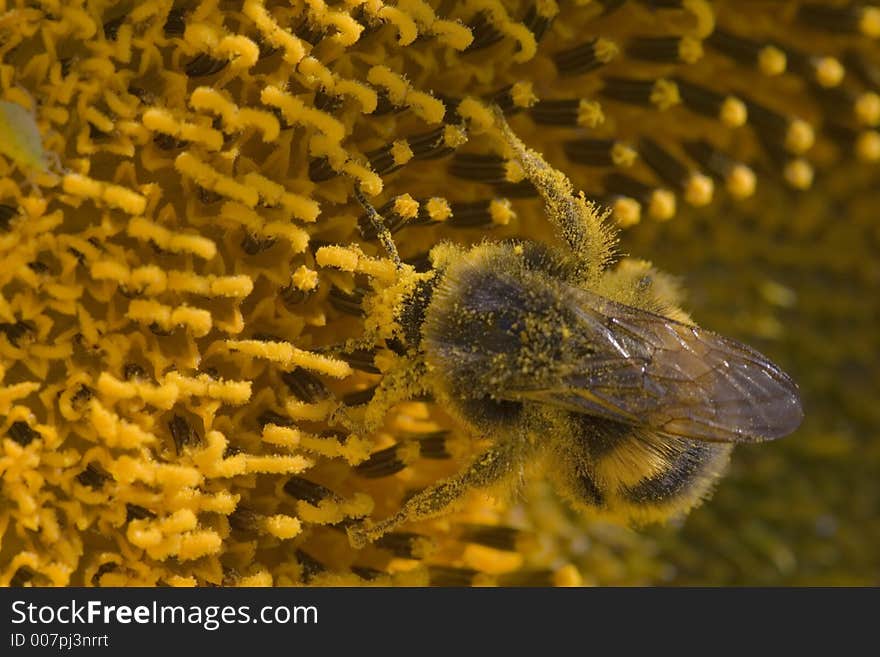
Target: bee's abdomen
[
  {"x": 683, "y": 473},
  {"x": 679, "y": 476},
  {"x": 588, "y": 492},
  {"x": 637, "y": 475}
]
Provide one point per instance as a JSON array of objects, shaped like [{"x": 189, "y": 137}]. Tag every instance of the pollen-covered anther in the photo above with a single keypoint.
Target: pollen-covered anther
[
  {"x": 406, "y": 545},
  {"x": 99, "y": 120},
  {"x": 569, "y": 112},
  {"x": 203, "y": 65},
  {"x": 585, "y": 57},
  {"x": 464, "y": 214},
  {"x": 280, "y": 436},
  {"x": 772, "y": 61},
  {"x": 661, "y": 93},
  {"x": 241, "y": 52},
  {"x": 320, "y": 505},
  {"x": 346, "y": 30},
  {"x": 352, "y": 259},
  {"x": 390, "y": 157},
  {"x": 867, "y": 109},
  {"x": 437, "y": 143},
  {"x": 522, "y": 94},
  {"x": 501, "y": 212},
  {"x": 539, "y": 16},
  {"x": 114, "y": 196},
  {"x": 626, "y": 211},
  {"x": 659, "y": 202},
  {"x": 739, "y": 179},
  {"x": 684, "y": 49},
  {"x": 794, "y": 134},
  {"x": 354, "y": 450},
  {"x": 768, "y": 58},
  {"x": 513, "y": 172},
  {"x": 295, "y": 111},
  {"x": 112, "y": 389},
  {"x": 287, "y": 355},
  {"x": 696, "y": 188},
  {"x": 396, "y": 214},
  {"x": 206, "y": 387},
  {"x": 261, "y": 234},
  {"x": 152, "y": 280},
  {"x": 389, "y": 461},
  {"x": 731, "y": 111},
  {"x": 847, "y": 18},
  {"x": 294, "y": 48},
  {"x": 798, "y": 173},
  {"x": 491, "y": 560},
  {"x": 436, "y": 209},
  {"x": 235, "y": 119},
  {"x": 829, "y": 71},
  {"x": 276, "y": 464},
  {"x": 664, "y": 94},
  {"x": 272, "y": 193},
  {"x": 161, "y": 121},
  {"x": 282, "y": 526},
  {"x": 407, "y": 30},
  {"x": 867, "y": 146},
  {"x": 143, "y": 229},
  {"x": 600, "y": 152},
  {"x": 209, "y": 178},
  {"x": 116, "y": 431},
  {"x": 661, "y": 205},
  {"x": 420, "y": 14},
  {"x": 485, "y": 33},
  {"x": 176, "y": 535},
  {"x": 799, "y": 137},
  {"x": 210, "y": 42},
  {"x": 869, "y": 22},
  {"x": 406, "y": 206},
  {"x": 402, "y": 94},
  {"x": 304, "y": 279},
  {"x": 479, "y": 117},
  {"x": 590, "y": 114},
  {"x": 167, "y": 318},
  {"x": 492, "y": 22},
  {"x": 825, "y": 70},
  {"x": 863, "y": 143}
]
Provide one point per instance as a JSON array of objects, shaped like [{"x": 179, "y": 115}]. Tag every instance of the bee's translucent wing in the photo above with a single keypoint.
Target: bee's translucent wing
[{"x": 643, "y": 369}]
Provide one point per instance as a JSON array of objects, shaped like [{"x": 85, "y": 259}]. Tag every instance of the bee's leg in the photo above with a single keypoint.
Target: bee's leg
[
  {"x": 379, "y": 225},
  {"x": 580, "y": 223},
  {"x": 400, "y": 384},
  {"x": 487, "y": 469}
]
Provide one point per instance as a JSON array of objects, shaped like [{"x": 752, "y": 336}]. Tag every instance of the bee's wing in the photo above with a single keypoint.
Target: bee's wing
[{"x": 643, "y": 369}]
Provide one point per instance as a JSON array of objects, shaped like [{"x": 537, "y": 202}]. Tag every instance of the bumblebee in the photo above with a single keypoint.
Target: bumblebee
[{"x": 560, "y": 354}]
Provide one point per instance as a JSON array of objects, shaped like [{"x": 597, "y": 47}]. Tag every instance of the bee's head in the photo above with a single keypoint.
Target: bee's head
[
  {"x": 495, "y": 312},
  {"x": 413, "y": 303}
]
